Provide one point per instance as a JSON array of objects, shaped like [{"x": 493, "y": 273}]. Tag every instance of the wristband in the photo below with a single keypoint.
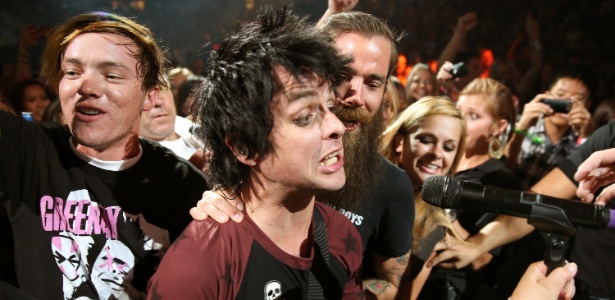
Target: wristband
[{"x": 520, "y": 132}]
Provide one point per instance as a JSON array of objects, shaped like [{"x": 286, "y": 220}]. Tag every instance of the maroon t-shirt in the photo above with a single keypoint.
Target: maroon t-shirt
[{"x": 238, "y": 261}]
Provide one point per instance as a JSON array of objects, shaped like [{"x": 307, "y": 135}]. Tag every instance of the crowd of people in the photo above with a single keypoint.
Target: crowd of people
[{"x": 291, "y": 165}]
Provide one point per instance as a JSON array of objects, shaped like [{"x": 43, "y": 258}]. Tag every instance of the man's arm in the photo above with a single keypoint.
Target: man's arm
[
  {"x": 531, "y": 75},
  {"x": 390, "y": 272},
  {"x": 464, "y": 25},
  {"x": 504, "y": 229}
]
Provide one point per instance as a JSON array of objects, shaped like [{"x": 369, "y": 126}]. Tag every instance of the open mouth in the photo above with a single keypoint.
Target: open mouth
[
  {"x": 330, "y": 159},
  {"x": 350, "y": 126},
  {"x": 429, "y": 168},
  {"x": 89, "y": 111}
]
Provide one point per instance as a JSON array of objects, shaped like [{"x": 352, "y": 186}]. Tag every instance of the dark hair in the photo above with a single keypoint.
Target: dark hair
[
  {"x": 186, "y": 91},
  {"x": 233, "y": 104},
  {"x": 150, "y": 66},
  {"x": 365, "y": 25},
  {"x": 575, "y": 73},
  {"x": 17, "y": 93}
]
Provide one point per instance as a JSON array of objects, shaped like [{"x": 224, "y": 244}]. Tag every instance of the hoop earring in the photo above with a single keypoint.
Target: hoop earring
[{"x": 495, "y": 153}]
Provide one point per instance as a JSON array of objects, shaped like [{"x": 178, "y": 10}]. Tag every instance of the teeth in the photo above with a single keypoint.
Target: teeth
[
  {"x": 89, "y": 111},
  {"x": 329, "y": 160}
]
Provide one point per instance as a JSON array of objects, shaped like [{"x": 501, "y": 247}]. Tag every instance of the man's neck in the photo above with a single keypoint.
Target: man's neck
[
  {"x": 172, "y": 137},
  {"x": 120, "y": 151},
  {"x": 285, "y": 217},
  {"x": 555, "y": 132}
]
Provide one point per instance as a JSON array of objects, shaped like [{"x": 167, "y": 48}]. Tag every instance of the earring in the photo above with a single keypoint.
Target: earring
[{"x": 494, "y": 142}]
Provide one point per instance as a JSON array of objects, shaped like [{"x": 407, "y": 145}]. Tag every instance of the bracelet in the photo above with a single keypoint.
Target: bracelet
[{"x": 520, "y": 131}]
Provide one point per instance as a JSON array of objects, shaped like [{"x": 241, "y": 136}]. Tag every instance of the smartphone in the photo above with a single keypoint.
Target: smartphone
[{"x": 559, "y": 105}]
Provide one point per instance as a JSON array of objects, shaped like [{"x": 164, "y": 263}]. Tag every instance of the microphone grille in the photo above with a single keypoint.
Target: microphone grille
[{"x": 441, "y": 191}]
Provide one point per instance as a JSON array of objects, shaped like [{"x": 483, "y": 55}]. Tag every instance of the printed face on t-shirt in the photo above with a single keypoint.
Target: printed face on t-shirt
[
  {"x": 66, "y": 253},
  {"x": 113, "y": 265}
]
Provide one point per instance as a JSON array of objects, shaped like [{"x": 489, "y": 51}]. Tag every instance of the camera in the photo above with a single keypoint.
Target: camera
[
  {"x": 458, "y": 70},
  {"x": 559, "y": 105}
]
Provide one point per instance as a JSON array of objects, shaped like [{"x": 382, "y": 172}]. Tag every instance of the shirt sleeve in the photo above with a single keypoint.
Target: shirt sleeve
[
  {"x": 193, "y": 267},
  {"x": 394, "y": 238}
]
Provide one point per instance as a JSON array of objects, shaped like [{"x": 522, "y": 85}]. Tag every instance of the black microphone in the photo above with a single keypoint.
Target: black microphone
[{"x": 448, "y": 192}]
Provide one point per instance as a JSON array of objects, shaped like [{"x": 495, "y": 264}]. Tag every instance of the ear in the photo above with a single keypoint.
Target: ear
[
  {"x": 150, "y": 98},
  {"x": 398, "y": 142},
  {"x": 242, "y": 157},
  {"x": 500, "y": 127}
]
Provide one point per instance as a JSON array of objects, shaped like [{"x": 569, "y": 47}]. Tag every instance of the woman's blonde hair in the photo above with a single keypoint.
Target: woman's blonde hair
[
  {"x": 427, "y": 217},
  {"x": 500, "y": 99}
]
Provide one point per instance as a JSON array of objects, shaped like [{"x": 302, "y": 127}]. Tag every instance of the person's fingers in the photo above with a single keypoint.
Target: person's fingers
[
  {"x": 441, "y": 258},
  {"x": 606, "y": 195},
  {"x": 598, "y": 159},
  {"x": 584, "y": 191},
  {"x": 223, "y": 204},
  {"x": 559, "y": 279},
  {"x": 198, "y": 214},
  {"x": 440, "y": 246},
  {"x": 569, "y": 290}
]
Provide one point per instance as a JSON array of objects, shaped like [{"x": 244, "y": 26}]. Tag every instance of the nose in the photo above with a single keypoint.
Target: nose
[
  {"x": 89, "y": 87},
  {"x": 159, "y": 101},
  {"x": 352, "y": 95},
  {"x": 437, "y": 151},
  {"x": 332, "y": 127}
]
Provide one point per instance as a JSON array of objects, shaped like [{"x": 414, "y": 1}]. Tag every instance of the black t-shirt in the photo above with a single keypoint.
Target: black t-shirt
[
  {"x": 385, "y": 218},
  {"x": 84, "y": 231},
  {"x": 593, "y": 249}
]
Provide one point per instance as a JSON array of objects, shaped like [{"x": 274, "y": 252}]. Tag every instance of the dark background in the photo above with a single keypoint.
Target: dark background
[{"x": 579, "y": 32}]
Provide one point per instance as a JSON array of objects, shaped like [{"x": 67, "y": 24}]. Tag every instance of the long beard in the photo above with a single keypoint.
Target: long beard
[{"x": 363, "y": 163}]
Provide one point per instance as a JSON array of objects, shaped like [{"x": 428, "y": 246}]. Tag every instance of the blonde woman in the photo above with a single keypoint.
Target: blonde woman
[{"x": 425, "y": 140}]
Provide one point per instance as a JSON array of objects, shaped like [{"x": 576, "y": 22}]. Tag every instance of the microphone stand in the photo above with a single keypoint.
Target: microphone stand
[{"x": 557, "y": 230}]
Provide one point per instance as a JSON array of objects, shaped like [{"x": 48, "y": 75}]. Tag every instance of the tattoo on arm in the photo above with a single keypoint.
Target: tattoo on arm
[{"x": 390, "y": 271}]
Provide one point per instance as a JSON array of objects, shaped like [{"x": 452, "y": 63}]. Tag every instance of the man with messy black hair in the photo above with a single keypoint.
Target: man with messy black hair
[{"x": 277, "y": 145}]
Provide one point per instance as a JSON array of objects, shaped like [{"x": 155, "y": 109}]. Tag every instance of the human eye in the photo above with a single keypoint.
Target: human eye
[
  {"x": 450, "y": 147},
  {"x": 425, "y": 140},
  {"x": 472, "y": 116},
  {"x": 374, "y": 85},
  {"x": 70, "y": 73},
  {"x": 113, "y": 76},
  {"x": 304, "y": 120}
]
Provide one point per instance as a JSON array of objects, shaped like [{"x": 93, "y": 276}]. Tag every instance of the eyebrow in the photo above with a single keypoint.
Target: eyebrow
[
  {"x": 377, "y": 77},
  {"x": 295, "y": 96},
  {"x": 100, "y": 64}
]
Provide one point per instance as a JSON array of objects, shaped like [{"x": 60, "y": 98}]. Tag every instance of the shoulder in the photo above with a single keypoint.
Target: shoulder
[
  {"x": 164, "y": 159},
  {"x": 198, "y": 261},
  {"x": 344, "y": 239},
  {"x": 394, "y": 187}
]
